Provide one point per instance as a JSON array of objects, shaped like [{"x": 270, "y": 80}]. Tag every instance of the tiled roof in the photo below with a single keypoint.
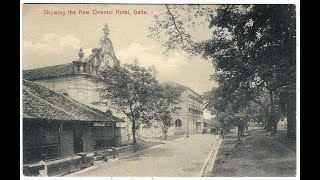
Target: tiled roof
[
  {"x": 42, "y": 103},
  {"x": 49, "y": 71}
]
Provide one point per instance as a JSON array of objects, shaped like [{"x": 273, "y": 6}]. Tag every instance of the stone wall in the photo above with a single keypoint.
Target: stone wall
[
  {"x": 59, "y": 167},
  {"x": 153, "y": 130}
]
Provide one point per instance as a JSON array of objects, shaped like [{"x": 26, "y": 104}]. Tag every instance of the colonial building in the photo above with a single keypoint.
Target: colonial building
[
  {"x": 80, "y": 79},
  {"x": 56, "y": 126},
  {"x": 188, "y": 116}
]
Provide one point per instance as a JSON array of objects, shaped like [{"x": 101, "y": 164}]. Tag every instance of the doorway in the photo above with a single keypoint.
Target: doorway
[
  {"x": 198, "y": 127},
  {"x": 78, "y": 140}
]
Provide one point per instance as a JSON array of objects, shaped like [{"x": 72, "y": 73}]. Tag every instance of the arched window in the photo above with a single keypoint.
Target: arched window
[
  {"x": 178, "y": 123},
  {"x": 81, "y": 68}
]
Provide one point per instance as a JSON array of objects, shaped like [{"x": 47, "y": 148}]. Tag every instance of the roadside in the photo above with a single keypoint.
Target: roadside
[
  {"x": 258, "y": 155},
  {"x": 282, "y": 138},
  {"x": 184, "y": 157},
  {"x": 161, "y": 139},
  {"x": 142, "y": 145}
]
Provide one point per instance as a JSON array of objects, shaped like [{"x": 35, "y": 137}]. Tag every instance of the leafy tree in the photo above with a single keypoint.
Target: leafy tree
[
  {"x": 168, "y": 96},
  {"x": 166, "y": 122},
  {"x": 260, "y": 53},
  {"x": 232, "y": 108},
  {"x": 132, "y": 90},
  {"x": 253, "y": 50},
  {"x": 174, "y": 27},
  {"x": 135, "y": 91}
]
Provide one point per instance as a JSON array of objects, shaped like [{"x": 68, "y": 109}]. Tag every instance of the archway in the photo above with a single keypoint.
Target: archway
[{"x": 178, "y": 123}]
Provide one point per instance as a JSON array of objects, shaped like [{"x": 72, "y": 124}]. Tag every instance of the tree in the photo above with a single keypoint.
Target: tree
[
  {"x": 261, "y": 50},
  {"x": 232, "y": 108},
  {"x": 135, "y": 91},
  {"x": 168, "y": 96},
  {"x": 165, "y": 122},
  {"x": 253, "y": 50},
  {"x": 132, "y": 90},
  {"x": 174, "y": 27}
]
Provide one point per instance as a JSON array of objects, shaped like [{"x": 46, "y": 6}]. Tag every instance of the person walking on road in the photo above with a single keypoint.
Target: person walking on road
[
  {"x": 222, "y": 133},
  {"x": 187, "y": 134}
]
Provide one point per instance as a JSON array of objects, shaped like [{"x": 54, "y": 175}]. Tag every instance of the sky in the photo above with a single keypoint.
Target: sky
[{"x": 51, "y": 39}]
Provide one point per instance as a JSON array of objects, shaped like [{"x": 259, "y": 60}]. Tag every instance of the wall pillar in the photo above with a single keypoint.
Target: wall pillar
[
  {"x": 66, "y": 140},
  {"x": 88, "y": 141}
]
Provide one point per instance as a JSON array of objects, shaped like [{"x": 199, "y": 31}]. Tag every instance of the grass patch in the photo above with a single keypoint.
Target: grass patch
[{"x": 258, "y": 155}]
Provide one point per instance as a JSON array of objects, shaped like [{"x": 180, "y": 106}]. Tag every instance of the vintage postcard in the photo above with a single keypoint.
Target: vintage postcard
[{"x": 159, "y": 90}]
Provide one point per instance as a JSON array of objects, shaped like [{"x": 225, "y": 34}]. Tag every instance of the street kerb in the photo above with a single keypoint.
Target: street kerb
[{"x": 208, "y": 165}]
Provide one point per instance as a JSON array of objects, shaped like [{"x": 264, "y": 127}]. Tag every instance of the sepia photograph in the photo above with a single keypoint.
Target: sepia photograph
[{"x": 159, "y": 90}]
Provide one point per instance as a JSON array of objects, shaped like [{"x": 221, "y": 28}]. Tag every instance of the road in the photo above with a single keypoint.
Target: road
[{"x": 183, "y": 157}]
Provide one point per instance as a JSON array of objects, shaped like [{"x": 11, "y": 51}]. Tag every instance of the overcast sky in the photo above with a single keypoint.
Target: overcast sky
[{"x": 56, "y": 39}]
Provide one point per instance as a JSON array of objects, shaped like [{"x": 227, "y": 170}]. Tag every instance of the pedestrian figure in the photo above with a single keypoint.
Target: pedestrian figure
[
  {"x": 222, "y": 133},
  {"x": 187, "y": 134}
]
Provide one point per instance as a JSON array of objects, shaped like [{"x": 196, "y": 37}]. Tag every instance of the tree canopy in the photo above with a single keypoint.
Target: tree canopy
[
  {"x": 135, "y": 91},
  {"x": 253, "y": 49}
]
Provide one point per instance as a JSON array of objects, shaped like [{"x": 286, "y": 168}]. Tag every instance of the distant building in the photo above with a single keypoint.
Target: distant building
[
  {"x": 80, "y": 80},
  {"x": 189, "y": 112},
  {"x": 188, "y": 116},
  {"x": 56, "y": 126}
]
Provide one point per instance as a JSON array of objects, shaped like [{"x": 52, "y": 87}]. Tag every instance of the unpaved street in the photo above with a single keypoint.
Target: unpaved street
[{"x": 182, "y": 157}]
